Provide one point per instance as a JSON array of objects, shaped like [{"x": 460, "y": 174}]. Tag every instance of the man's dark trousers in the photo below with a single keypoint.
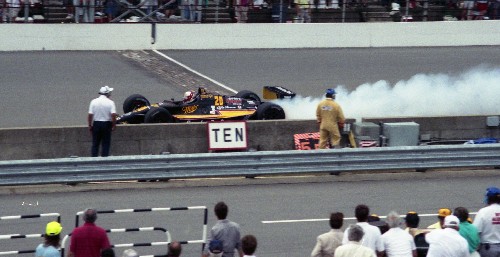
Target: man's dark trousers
[{"x": 101, "y": 132}]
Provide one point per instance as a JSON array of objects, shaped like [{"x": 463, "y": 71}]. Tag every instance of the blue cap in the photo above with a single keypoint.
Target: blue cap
[
  {"x": 330, "y": 91},
  {"x": 491, "y": 191},
  {"x": 215, "y": 246}
]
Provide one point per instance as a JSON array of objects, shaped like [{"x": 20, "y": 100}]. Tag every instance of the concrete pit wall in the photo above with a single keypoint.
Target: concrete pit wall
[{"x": 46, "y": 143}]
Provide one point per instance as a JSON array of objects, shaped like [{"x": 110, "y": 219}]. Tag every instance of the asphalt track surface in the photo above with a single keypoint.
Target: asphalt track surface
[
  {"x": 285, "y": 214},
  {"x": 53, "y": 88}
]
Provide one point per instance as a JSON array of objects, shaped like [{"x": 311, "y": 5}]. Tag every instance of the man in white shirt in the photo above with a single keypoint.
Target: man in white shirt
[
  {"x": 487, "y": 222},
  {"x": 101, "y": 121},
  {"x": 447, "y": 242},
  {"x": 353, "y": 247},
  {"x": 397, "y": 242},
  {"x": 372, "y": 236}
]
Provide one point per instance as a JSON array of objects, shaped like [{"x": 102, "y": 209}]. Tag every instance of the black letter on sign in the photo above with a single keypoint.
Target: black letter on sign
[
  {"x": 227, "y": 135},
  {"x": 216, "y": 130},
  {"x": 239, "y": 134}
]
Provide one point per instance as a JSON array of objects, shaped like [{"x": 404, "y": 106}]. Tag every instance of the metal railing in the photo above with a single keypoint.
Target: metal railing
[{"x": 248, "y": 164}]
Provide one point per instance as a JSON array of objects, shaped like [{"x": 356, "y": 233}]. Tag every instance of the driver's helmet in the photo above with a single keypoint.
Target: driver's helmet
[{"x": 188, "y": 96}]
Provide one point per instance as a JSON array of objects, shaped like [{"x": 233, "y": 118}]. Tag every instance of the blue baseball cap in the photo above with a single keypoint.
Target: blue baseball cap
[
  {"x": 491, "y": 191},
  {"x": 330, "y": 91}
]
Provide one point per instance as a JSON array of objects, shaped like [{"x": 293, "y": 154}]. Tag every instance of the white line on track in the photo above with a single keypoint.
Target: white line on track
[
  {"x": 193, "y": 71},
  {"x": 349, "y": 218}
]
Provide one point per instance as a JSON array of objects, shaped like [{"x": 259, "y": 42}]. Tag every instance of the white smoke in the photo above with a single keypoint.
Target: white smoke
[{"x": 475, "y": 92}]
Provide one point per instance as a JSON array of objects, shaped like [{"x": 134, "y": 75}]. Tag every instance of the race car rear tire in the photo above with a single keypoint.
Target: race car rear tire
[
  {"x": 248, "y": 95},
  {"x": 158, "y": 115},
  {"x": 270, "y": 111},
  {"x": 133, "y": 102}
]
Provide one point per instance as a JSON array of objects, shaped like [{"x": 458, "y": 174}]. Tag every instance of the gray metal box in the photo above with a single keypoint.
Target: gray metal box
[
  {"x": 401, "y": 133},
  {"x": 367, "y": 130}
]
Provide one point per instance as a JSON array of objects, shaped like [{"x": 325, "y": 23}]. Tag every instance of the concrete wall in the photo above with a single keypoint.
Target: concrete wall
[
  {"x": 41, "y": 143},
  {"x": 137, "y": 36}
]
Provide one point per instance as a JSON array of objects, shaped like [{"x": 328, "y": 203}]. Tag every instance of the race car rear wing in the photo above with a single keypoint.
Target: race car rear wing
[{"x": 276, "y": 92}]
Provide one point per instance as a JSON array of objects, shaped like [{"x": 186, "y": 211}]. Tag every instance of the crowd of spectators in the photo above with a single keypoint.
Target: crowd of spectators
[
  {"x": 454, "y": 234},
  {"x": 90, "y": 11}
]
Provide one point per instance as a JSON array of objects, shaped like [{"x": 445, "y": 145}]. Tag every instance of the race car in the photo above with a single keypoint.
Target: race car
[{"x": 205, "y": 106}]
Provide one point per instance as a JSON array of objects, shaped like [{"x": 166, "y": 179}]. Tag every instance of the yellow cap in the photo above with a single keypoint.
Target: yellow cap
[
  {"x": 444, "y": 212},
  {"x": 53, "y": 228}
]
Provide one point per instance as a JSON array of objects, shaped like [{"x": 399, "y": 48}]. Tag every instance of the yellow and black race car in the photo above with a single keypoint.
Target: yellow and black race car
[{"x": 205, "y": 106}]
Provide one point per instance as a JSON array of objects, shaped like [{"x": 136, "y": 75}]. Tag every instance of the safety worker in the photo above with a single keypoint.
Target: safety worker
[
  {"x": 188, "y": 96},
  {"x": 102, "y": 121},
  {"x": 330, "y": 117}
]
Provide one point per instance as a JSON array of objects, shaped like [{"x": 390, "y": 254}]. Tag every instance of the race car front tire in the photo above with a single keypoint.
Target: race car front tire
[
  {"x": 133, "y": 102},
  {"x": 270, "y": 111},
  {"x": 158, "y": 115},
  {"x": 248, "y": 95}
]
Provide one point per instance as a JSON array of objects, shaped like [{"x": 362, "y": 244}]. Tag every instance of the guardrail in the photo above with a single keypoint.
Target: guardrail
[{"x": 249, "y": 164}]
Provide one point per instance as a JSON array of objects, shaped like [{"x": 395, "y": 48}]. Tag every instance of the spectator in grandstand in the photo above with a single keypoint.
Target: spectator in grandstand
[
  {"x": 487, "y": 222},
  {"x": 11, "y": 10},
  {"x": 372, "y": 236},
  {"x": 353, "y": 247},
  {"x": 467, "y": 7},
  {"x": 102, "y": 121},
  {"x": 447, "y": 241},
  {"x": 108, "y": 252},
  {"x": 130, "y": 253},
  {"x": 225, "y": 231},
  {"x": 241, "y": 10},
  {"x": 174, "y": 249},
  {"x": 396, "y": 241},
  {"x": 330, "y": 118},
  {"x": 249, "y": 245},
  {"x": 442, "y": 213},
  {"x": 467, "y": 230},
  {"x": 88, "y": 240},
  {"x": 170, "y": 8},
  {"x": 303, "y": 8},
  {"x": 51, "y": 244},
  {"x": 327, "y": 243},
  {"x": 86, "y": 8}
]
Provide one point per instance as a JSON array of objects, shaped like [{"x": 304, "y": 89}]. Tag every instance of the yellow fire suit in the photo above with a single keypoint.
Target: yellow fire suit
[{"x": 329, "y": 115}]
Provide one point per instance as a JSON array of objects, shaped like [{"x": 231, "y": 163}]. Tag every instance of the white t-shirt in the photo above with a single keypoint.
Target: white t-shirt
[
  {"x": 372, "y": 238},
  {"x": 446, "y": 243},
  {"x": 398, "y": 243},
  {"x": 102, "y": 108},
  {"x": 487, "y": 222}
]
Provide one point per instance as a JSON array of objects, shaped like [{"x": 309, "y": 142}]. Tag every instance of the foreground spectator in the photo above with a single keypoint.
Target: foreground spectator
[
  {"x": 225, "y": 231},
  {"x": 467, "y": 230},
  {"x": 412, "y": 220},
  {"x": 249, "y": 245},
  {"x": 447, "y": 241},
  {"x": 372, "y": 236},
  {"x": 88, "y": 240},
  {"x": 51, "y": 244},
  {"x": 442, "y": 213},
  {"x": 327, "y": 243},
  {"x": 397, "y": 242},
  {"x": 353, "y": 247},
  {"x": 108, "y": 252},
  {"x": 487, "y": 222},
  {"x": 174, "y": 249}
]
